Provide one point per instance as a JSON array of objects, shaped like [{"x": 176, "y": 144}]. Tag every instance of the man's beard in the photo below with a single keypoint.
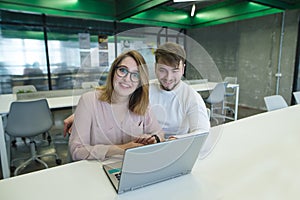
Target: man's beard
[{"x": 168, "y": 89}]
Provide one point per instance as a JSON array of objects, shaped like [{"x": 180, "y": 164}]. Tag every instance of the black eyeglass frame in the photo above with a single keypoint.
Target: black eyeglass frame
[{"x": 127, "y": 72}]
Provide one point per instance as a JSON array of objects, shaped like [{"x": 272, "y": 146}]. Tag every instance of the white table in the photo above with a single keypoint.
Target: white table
[
  {"x": 252, "y": 158},
  {"x": 201, "y": 87},
  {"x": 54, "y": 102},
  {"x": 256, "y": 157},
  {"x": 6, "y": 100}
]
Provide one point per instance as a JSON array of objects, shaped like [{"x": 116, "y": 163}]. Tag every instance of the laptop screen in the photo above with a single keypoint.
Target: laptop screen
[{"x": 151, "y": 164}]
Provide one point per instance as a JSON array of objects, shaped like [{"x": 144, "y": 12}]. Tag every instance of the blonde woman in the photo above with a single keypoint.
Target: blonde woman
[{"x": 116, "y": 116}]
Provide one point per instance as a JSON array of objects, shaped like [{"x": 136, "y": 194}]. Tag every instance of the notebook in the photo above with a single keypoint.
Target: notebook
[{"x": 150, "y": 164}]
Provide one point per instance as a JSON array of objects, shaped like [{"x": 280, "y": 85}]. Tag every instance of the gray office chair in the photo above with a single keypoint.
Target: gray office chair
[
  {"x": 275, "y": 102},
  {"x": 229, "y": 93},
  {"x": 297, "y": 97},
  {"x": 29, "y": 119},
  {"x": 216, "y": 97},
  {"x": 26, "y": 89},
  {"x": 22, "y": 89}
]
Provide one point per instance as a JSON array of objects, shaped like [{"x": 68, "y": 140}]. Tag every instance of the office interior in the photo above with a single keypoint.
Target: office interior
[{"x": 64, "y": 43}]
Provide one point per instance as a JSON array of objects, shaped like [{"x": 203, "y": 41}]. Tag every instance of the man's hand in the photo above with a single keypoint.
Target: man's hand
[{"x": 68, "y": 125}]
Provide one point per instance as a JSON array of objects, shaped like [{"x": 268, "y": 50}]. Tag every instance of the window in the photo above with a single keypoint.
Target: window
[{"x": 56, "y": 53}]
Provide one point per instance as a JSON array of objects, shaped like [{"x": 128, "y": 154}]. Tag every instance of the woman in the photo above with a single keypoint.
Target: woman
[{"x": 115, "y": 116}]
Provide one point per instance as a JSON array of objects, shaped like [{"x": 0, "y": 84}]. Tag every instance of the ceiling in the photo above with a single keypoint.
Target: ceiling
[{"x": 155, "y": 12}]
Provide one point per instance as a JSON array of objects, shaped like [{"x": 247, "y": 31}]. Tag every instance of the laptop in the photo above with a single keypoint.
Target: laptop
[{"x": 150, "y": 164}]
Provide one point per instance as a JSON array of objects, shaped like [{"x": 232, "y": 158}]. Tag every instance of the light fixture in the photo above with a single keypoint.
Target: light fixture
[
  {"x": 193, "y": 10},
  {"x": 180, "y": 1}
]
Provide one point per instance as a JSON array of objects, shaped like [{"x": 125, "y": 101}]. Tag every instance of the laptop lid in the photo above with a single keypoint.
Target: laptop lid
[{"x": 150, "y": 164}]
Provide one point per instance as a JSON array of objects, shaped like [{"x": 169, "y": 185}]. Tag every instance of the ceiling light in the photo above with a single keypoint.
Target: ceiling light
[
  {"x": 193, "y": 10},
  {"x": 179, "y": 1}
]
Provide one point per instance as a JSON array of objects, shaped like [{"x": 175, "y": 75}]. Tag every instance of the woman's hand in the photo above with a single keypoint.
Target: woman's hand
[
  {"x": 120, "y": 149},
  {"x": 145, "y": 139},
  {"x": 128, "y": 145}
]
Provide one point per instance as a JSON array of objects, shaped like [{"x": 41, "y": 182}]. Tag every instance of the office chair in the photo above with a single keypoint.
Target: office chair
[
  {"x": 208, "y": 112},
  {"x": 29, "y": 119},
  {"x": 216, "y": 97},
  {"x": 297, "y": 97},
  {"x": 229, "y": 93},
  {"x": 24, "y": 89},
  {"x": 275, "y": 102}
]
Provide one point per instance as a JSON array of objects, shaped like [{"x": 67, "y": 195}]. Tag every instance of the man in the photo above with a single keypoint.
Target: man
[{"x": 179, "y": 109}]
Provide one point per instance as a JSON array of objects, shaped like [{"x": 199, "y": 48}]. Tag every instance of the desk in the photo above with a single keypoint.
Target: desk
[
  {"x": 201, "y": 87},
  {"x": 54, "y": 102},
  {"x": 252, "y": 158},
  {"x": 6, "y": 100},
  {"x": 256, "y": 157}
]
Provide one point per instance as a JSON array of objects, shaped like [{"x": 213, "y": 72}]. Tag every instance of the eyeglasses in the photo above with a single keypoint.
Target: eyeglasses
[{"x": 122, "y": 71}]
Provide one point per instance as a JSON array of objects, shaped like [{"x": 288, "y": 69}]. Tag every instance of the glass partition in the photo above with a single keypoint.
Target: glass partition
[
  {"x": 54, "y": 53},
  {"x": 76, "y": 57},
  {"x": 22, "y": 58}
]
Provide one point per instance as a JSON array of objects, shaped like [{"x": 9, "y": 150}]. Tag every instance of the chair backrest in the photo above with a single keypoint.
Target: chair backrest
[
  {"x": 232, "y": 80},
  {"x": 196, "y": 81},
  {"x": 275, "y": 102},
  {"x": 29, "y": 118},
  {"x": 217, "y": 94},
  {"x": 297, "y": 97},
  {"x": 24, "y": 89},
  {"x": 208, "y": 112},
  {"x": 89, "y": 85}
]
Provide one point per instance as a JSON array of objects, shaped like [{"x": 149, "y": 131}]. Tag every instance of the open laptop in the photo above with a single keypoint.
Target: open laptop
[{"x": 150, "y": 164}]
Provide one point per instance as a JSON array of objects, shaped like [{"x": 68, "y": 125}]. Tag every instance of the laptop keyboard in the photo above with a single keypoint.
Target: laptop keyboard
[
  {"x": 116, "y": 172},
  {"x": 118, "y": 175}
]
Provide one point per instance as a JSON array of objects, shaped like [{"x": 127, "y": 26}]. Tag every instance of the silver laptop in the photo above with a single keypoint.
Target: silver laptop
[{"x": 150, "y": 164}]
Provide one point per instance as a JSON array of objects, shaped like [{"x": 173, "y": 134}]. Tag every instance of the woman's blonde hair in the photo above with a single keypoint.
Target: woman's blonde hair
[{"x": 139, "y": 99}]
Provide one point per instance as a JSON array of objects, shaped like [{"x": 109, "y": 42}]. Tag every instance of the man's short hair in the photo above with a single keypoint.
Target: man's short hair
[{"x": 170, "y": 54}]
